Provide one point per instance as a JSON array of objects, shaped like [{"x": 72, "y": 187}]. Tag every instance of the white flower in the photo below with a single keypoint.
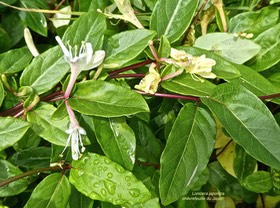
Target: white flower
[
  {"x": 85, "y": 59},
  {"x": 75, "y": 136},
  {"x": 149, "y": 84},
  {"x": 29, "y": 42}
]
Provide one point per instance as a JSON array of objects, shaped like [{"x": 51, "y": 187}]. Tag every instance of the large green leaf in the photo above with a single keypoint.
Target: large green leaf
[
  {"x": 255, "y": 82},
  {"x": 248, "y": 121},
  {"x": 36, "y": 157},
  {"x": 172, "y": 18},
  {"x": 14, "y": 60},
  {"x": 45, "y": 71},
  {"x": 89, "y": 27},
  {"x": 182, "y": 161},
  {"x": 79, "y": 200},
  {"x": 116, "y": 139},
  {"x": 125, "y": 46},
  {"x": 9, "y": 170},
  {"x": 243, "y": 164},
  {"x": 235, "y": 49},
  {"x": 35, "y": 20},
  {"x": 100, "y": 98},
  {"x": 254, "y": 22},
  {"x": 43, "y": 125},
  {"x": 53, "y": 191},
  {"x": 270, "y": 48},
  {"x": 227, "y": 184},
  {"x": 102, "y": 179},
  {"x": 186, "y": 85},
  {"x": 223, "y": 68},
  {"x": 11, "y": 130}
]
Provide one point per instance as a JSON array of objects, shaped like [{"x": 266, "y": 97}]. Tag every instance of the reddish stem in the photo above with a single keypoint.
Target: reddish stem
[{"x": 143, "y": 63}]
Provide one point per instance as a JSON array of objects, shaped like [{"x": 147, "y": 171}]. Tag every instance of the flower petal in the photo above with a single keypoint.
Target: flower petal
[
  {"x": 63, "y": 47},
  {"x": 95, "y": 61}
]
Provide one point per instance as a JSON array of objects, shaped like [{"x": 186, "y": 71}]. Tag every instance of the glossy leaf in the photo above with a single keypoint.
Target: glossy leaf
[
  {"x": 172, "y": 18},
  {"x": 5, "y": 40},
  {"x": 134, "y": 41},
  {"x": 116, "y": 139},
  {"x": 53, "y": 191},
  {"x": 14, "y": 60},
  {"x": 235, "y": 49},
  {"x": 254, "y": 22},
  {"x": 11, "y": 131},
  {"x": 248, "y": 121},
  {"x": 89, "y": 27},
  {"x": 270, "y": 48},
  {"x": 186, "y": 85},
  {"x": 51, "y": 130},
  {"x": 255, "y": 82},
  {"x": 226, "y": 183},
  {"x": 223, "y": 68},
  {"x": 243, "y": 164},
  {"x": 45, "y": 71},
  {"x": 259, "y": 182},
  {"x": 9, "y": 170},
  {"x": 102, "y": 179},
  {"x": 37, "y": 157},
  {"x": 181, "y": 162},
  {"x": 34, "y": 20},
  {"x": 106, "y": 99}
]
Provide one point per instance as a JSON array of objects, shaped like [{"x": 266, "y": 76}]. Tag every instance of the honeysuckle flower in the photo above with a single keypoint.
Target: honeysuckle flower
[
  {"x": 60, "y": 19},
  {"x": 195, "y": 65},
  {"x": 201, "y": 66},
  {"x": 149, "y": 84},
  {"x": 75, "y": 137},
  {"x": 81, "y": 60}
]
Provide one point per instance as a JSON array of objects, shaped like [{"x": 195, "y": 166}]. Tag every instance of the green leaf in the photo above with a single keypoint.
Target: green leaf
[
  {"x": 223, "y": 68},
  {"x": 123, "y": 47},
  {"x": 89, "y": 27},
  {"x": 164, "y": 47},
  {"x": 270, "y": 48},
  {"x": 235, "y": 49},
  {"x": 53, "y": 191},
  {"x": 37, "y": 157},
  {"x": 259, "y": 182},
  {"x": 243, "y": 163},
  {"x": 149, "y": 148},
  {"x": 14, "y": 60},
  {"x": 45, "y": 71},
  {"x": 9, "y": 170},
  {"x": 101, "y": 179},
  {"x": 34, "y": 20},
  {"x": 181, "y": 162},
  {"x": 2, "y": 93},
  {"x": 229, "y": 185},
  {"x": 255, "y": 82},
  {"x": 172, "y": 18},
  {"x": 186, "y": 85},
  {"x": 100, "y": 98},
  {"x": 5, "y": 40},
  {"x": 248, "y": 121},
  {"x": 93, "y": 5},
  {"x": 77, "y": 199},
  {"x": 116, "y": 139},
  {"x": 254, "y": 22},
  {"x": 11, "y": 130},
  {"x": 43, "y": 125}
]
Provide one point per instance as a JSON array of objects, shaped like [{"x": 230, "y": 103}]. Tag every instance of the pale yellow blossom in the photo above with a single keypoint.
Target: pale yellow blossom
[{"x": 149, "y": 84}]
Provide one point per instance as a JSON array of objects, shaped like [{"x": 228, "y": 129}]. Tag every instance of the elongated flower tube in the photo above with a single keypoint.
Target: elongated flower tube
[
  {"x": 75, "y": 132},
  {"x": 81, "y": 60}
]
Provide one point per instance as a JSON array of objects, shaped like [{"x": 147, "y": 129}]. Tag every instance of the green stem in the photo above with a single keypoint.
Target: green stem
[{"x": 32, "y": 172}]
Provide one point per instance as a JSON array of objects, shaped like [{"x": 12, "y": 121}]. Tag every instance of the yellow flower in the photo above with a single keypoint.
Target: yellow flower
[
  {"x": 149, "y": 84},
  {"x": 202, "y": 66},
  {"x": 195, "y": 65}
]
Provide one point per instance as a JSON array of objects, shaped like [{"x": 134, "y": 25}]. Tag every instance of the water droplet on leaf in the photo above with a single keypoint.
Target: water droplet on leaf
[
  {"x": 134, "y": 192},
  {"x": 110, "y": 175},
  {"x": 103, "y": 192},
  {"x": 120, "y": 169}
]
